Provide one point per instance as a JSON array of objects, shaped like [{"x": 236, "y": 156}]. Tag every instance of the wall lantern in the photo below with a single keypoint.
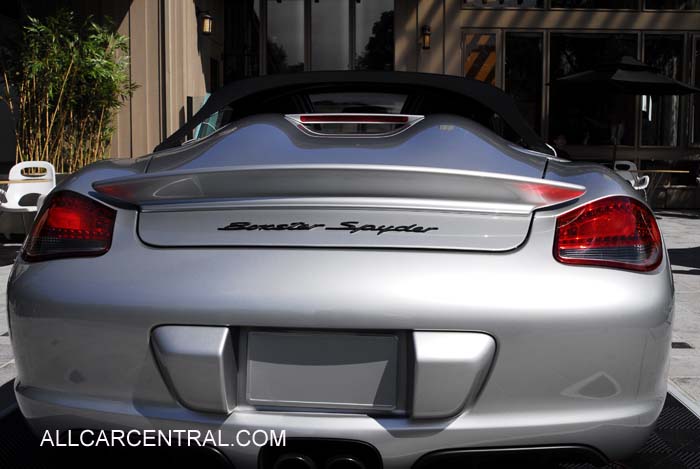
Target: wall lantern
[
  {"x": 425, "y": 36},
  {"x": 207, "y": 23}
]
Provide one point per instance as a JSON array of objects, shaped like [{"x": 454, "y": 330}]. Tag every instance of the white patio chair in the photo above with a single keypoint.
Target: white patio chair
[
  {"x": 642, "y": 183},
  {"x": 18, "y": 197},
  {"x": 628, "y": 171}
]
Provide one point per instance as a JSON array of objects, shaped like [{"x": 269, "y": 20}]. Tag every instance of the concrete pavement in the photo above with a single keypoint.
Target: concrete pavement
[
  {"x": 7, "y": 362},
  {"x": 682, "y": 234}
]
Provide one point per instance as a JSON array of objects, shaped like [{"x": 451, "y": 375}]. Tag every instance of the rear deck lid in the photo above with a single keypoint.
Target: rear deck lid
[
  {"x": 434, "y": 182},
  {"x": 337, "y": 206}
]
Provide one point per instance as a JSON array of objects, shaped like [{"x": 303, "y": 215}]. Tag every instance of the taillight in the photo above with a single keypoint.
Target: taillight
[
  {"x": 543, "y": 194},
  {"x": 614, "y": 232},
  {"x": 70, "y": 225},
  {"x": 353, "y": 119}
]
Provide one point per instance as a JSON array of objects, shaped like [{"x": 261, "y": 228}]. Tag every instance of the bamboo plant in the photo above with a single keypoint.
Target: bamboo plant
[{"x": 64, "y": 85}]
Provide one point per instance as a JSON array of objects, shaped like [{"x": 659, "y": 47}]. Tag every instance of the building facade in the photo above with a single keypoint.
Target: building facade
[{"x": 521, "y": 46}]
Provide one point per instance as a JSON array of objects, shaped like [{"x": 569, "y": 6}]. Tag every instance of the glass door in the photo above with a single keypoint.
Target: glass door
[{"x": 285, "y": 36}]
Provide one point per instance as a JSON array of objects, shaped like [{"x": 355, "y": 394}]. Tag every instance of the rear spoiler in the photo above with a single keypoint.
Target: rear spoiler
[{"x": 380, "y": 186}]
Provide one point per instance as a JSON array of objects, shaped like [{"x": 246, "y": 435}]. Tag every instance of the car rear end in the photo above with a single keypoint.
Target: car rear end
[{"x": 427, "y": 294}]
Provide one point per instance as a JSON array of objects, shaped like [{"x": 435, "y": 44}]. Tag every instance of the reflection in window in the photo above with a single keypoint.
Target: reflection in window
[
  {"x": 695, "y": 137},
  {"x": 524, "y": 74},
  {"x": 584, "y": 116},
  {"x": 357, "y": 102},
  {"x": 377, "y": 103},
  {"x": 606, "y": 4},
  {"x": 660, "y": 113},
  {"x": 504, "y": 3},
  {"x": 672, "y": 4},
  {"x": 330, "y": 36},
  {"x": 242, "y": 41},
  {"x": 480, "y": 57},
  {"x": 285, "y": 36},
  {"x": 374, "y": 35}
]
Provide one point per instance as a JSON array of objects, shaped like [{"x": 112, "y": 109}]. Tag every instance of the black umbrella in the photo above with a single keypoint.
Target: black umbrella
[{"x": 626, "y": 76}]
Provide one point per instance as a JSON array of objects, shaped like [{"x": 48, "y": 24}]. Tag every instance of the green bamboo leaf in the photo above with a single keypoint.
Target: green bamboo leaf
[{"x": 68, "y": 80}]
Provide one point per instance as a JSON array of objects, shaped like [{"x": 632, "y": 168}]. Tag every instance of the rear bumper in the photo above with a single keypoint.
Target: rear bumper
[
  {"x": 615, "y": 432},
  {"x": 581, "y": 355}
]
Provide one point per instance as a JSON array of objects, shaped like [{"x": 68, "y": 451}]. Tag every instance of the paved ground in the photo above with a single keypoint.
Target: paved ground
[
  {"x": 682, "y": 234},
  {"x": 7, "y": 363}
]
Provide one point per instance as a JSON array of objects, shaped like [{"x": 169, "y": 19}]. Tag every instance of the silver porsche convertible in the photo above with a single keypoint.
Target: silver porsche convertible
[{"x": 389, "y": 269}]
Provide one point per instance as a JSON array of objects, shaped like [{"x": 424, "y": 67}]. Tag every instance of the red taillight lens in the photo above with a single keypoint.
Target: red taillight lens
[
  {"x": 614, "y": 232},
  {"x": 544, "y": 194},
  {"x": 352, "y": 119},
  {"x": 70, "y": 225}
]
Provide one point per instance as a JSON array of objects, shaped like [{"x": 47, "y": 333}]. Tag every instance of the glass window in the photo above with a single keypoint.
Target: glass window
[
  {"x": 695, "y": 137},
  {"x": 212, "y": 123},
  {"x": 285, "y": 36},
  {"x": 523, "y": 78},
  {"x": 503, "y": 3},
  {"x": 374, "y": 35},
  {"x": 330, "y": 36},
  {"x": 672, "y": 4},
  {"x": 480, "y": 57},
  {"x": 584, "y": 116},
  {"x": 241, "y": 40},
  {"x": 605, "y": 4},
  {"x": 660, "y": 113}
]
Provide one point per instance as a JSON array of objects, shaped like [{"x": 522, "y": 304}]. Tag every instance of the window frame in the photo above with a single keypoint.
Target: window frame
[
  {"x": 694, "y": 49},
  {"x": 640, "y": 5},
  {"x": 464, "y": 6}
]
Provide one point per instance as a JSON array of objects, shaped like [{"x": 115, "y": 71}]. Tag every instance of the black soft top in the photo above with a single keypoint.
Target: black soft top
[{"x": 426, "y": 93}]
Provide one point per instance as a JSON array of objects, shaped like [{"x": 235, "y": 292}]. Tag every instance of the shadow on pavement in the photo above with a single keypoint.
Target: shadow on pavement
[
  {"x": 686, "y": 257},
  {"x": 8, "y": 253},
  {"x": 7, "y": 399},
  {"x": 691, "y": 215},
  {"x": 9, "y": 248},
  {"x": 20, "y": 448},
  {"x": 687, "y": 272}
]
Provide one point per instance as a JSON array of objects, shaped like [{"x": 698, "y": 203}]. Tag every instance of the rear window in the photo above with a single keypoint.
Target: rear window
[{"x": 358, "y": 102}]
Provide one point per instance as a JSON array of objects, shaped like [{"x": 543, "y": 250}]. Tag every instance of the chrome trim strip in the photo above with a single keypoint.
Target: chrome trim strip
[{"x": 303, "y": 126}]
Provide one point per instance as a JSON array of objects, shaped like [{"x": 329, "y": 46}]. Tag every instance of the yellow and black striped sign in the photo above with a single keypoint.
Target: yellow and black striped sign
[{"x": 480, "y": 57}]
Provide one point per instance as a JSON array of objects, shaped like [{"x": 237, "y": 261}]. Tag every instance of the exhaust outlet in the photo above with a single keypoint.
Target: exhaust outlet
[
  {"x": 294, "y": 461},
  {"x": 344, "y": 462},
  {"x": 321, "y": 453}
]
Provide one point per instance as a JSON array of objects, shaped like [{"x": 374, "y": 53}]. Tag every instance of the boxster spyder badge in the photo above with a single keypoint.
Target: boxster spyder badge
[{"x": 350, "y": 226}]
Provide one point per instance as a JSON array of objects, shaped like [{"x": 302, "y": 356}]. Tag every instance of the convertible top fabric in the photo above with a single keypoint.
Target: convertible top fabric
[{"x": 488, "y": 95}]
